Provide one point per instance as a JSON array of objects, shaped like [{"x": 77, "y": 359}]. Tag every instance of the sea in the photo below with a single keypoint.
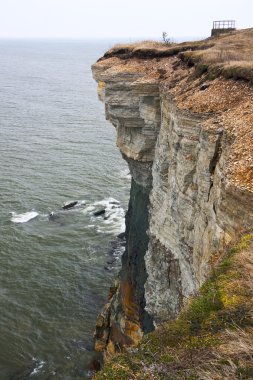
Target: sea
[{"x": 56, "y": 264}]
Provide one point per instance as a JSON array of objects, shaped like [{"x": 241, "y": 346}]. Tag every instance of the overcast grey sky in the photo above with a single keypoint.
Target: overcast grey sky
[{"x": 116, "y": 18}]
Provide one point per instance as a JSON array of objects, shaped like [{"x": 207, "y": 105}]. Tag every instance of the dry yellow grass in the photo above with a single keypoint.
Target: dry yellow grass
[
  {"x": 231, "y": 56},
  {"x": 140, "y": 44},
  {"x": 233, "y": 359},
  {"x": 154, "y": 49},
  {"x": 211, "y": 340}
]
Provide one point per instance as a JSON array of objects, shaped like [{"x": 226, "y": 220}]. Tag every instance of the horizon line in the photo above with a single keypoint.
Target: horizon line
[{"x": 137, "y": 38}]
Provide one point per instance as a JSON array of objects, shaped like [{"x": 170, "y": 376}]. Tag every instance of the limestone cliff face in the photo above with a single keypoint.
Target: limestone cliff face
[{"x": 184, "y": 205}]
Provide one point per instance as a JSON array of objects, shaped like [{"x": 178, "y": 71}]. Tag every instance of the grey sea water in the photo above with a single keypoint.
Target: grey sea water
[{"x": 55, "y": 147}]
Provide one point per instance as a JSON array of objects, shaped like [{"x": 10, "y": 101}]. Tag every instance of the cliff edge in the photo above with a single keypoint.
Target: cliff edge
[{"x": 184, "y": 116}]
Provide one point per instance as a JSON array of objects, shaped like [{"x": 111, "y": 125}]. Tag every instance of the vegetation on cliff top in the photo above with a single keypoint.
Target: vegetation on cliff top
[
  {"x": 229, "y": 55},
  {"x": 211, "y": 339}
]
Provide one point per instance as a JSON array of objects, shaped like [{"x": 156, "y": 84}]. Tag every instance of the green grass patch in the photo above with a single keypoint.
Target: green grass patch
[{"x": 175, "y": 349}]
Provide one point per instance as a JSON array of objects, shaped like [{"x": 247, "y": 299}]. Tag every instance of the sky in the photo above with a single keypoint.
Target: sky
[{"x": 127, "y": 19}]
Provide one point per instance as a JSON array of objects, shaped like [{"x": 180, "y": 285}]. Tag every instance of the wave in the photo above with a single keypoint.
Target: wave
[
  {"x": 38, "y": 366},
  {"x": 112, "y": 218},
  {"x": 106, "y": 216},
  {"x": 125, "y": 174},
  {"x": 23, "y": 218}
]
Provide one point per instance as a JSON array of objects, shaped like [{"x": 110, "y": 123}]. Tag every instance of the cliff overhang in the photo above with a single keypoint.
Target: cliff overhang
[{"x": 185, "y": 130}]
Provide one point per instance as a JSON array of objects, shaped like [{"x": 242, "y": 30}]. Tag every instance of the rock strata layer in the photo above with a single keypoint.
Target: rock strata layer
[{"x": 184, "y": 205}]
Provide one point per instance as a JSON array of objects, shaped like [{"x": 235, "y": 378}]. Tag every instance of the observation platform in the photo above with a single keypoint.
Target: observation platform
[{"x": 222, "y": 26}]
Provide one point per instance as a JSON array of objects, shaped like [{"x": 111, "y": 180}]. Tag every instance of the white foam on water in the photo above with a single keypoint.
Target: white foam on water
[
  {"x": 23, "y": 218},
  {"x": 82, "y": 202},
  {"x": 125, "y": 174},
  {"x": 107, "y": 202},
  {"x": 115, "y": 220},
  {"x": 112, "y": 221},
  {"x": 38, "y": 367},
  {"x": 88, "y": 209}
]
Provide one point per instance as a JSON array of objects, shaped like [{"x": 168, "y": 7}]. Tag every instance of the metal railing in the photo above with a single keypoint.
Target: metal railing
[{"x": 224, "y": 24}]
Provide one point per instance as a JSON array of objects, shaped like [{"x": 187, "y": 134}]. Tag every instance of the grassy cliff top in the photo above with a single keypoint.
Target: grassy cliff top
[
  {"x": 230, "y": 54},
  {"x": 211, "y": 339}
]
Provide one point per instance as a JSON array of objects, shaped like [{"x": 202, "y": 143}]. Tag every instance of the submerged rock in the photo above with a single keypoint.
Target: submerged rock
[
  {"x": 52, "y": 216},
  {"x": 99, "y": 212},
  {"x": 122, "y": 235},
  {"x": 69, "y": 205}
]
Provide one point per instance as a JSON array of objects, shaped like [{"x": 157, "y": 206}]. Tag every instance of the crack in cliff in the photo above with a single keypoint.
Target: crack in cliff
[
  {"x": 214, "y": 161},
  {"x": 217, "y": 154}
]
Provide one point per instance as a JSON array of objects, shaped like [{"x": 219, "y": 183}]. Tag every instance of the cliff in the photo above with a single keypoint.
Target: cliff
[
  {"x": 212, "y": 339},
  {"x": 185, "y": 129}
]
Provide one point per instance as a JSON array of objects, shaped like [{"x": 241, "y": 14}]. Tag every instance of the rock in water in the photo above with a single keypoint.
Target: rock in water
[
  {"x": 122, "y": 235},
  {"x": 99, "y": 212},
  {"x": 69, "y": 205}
]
